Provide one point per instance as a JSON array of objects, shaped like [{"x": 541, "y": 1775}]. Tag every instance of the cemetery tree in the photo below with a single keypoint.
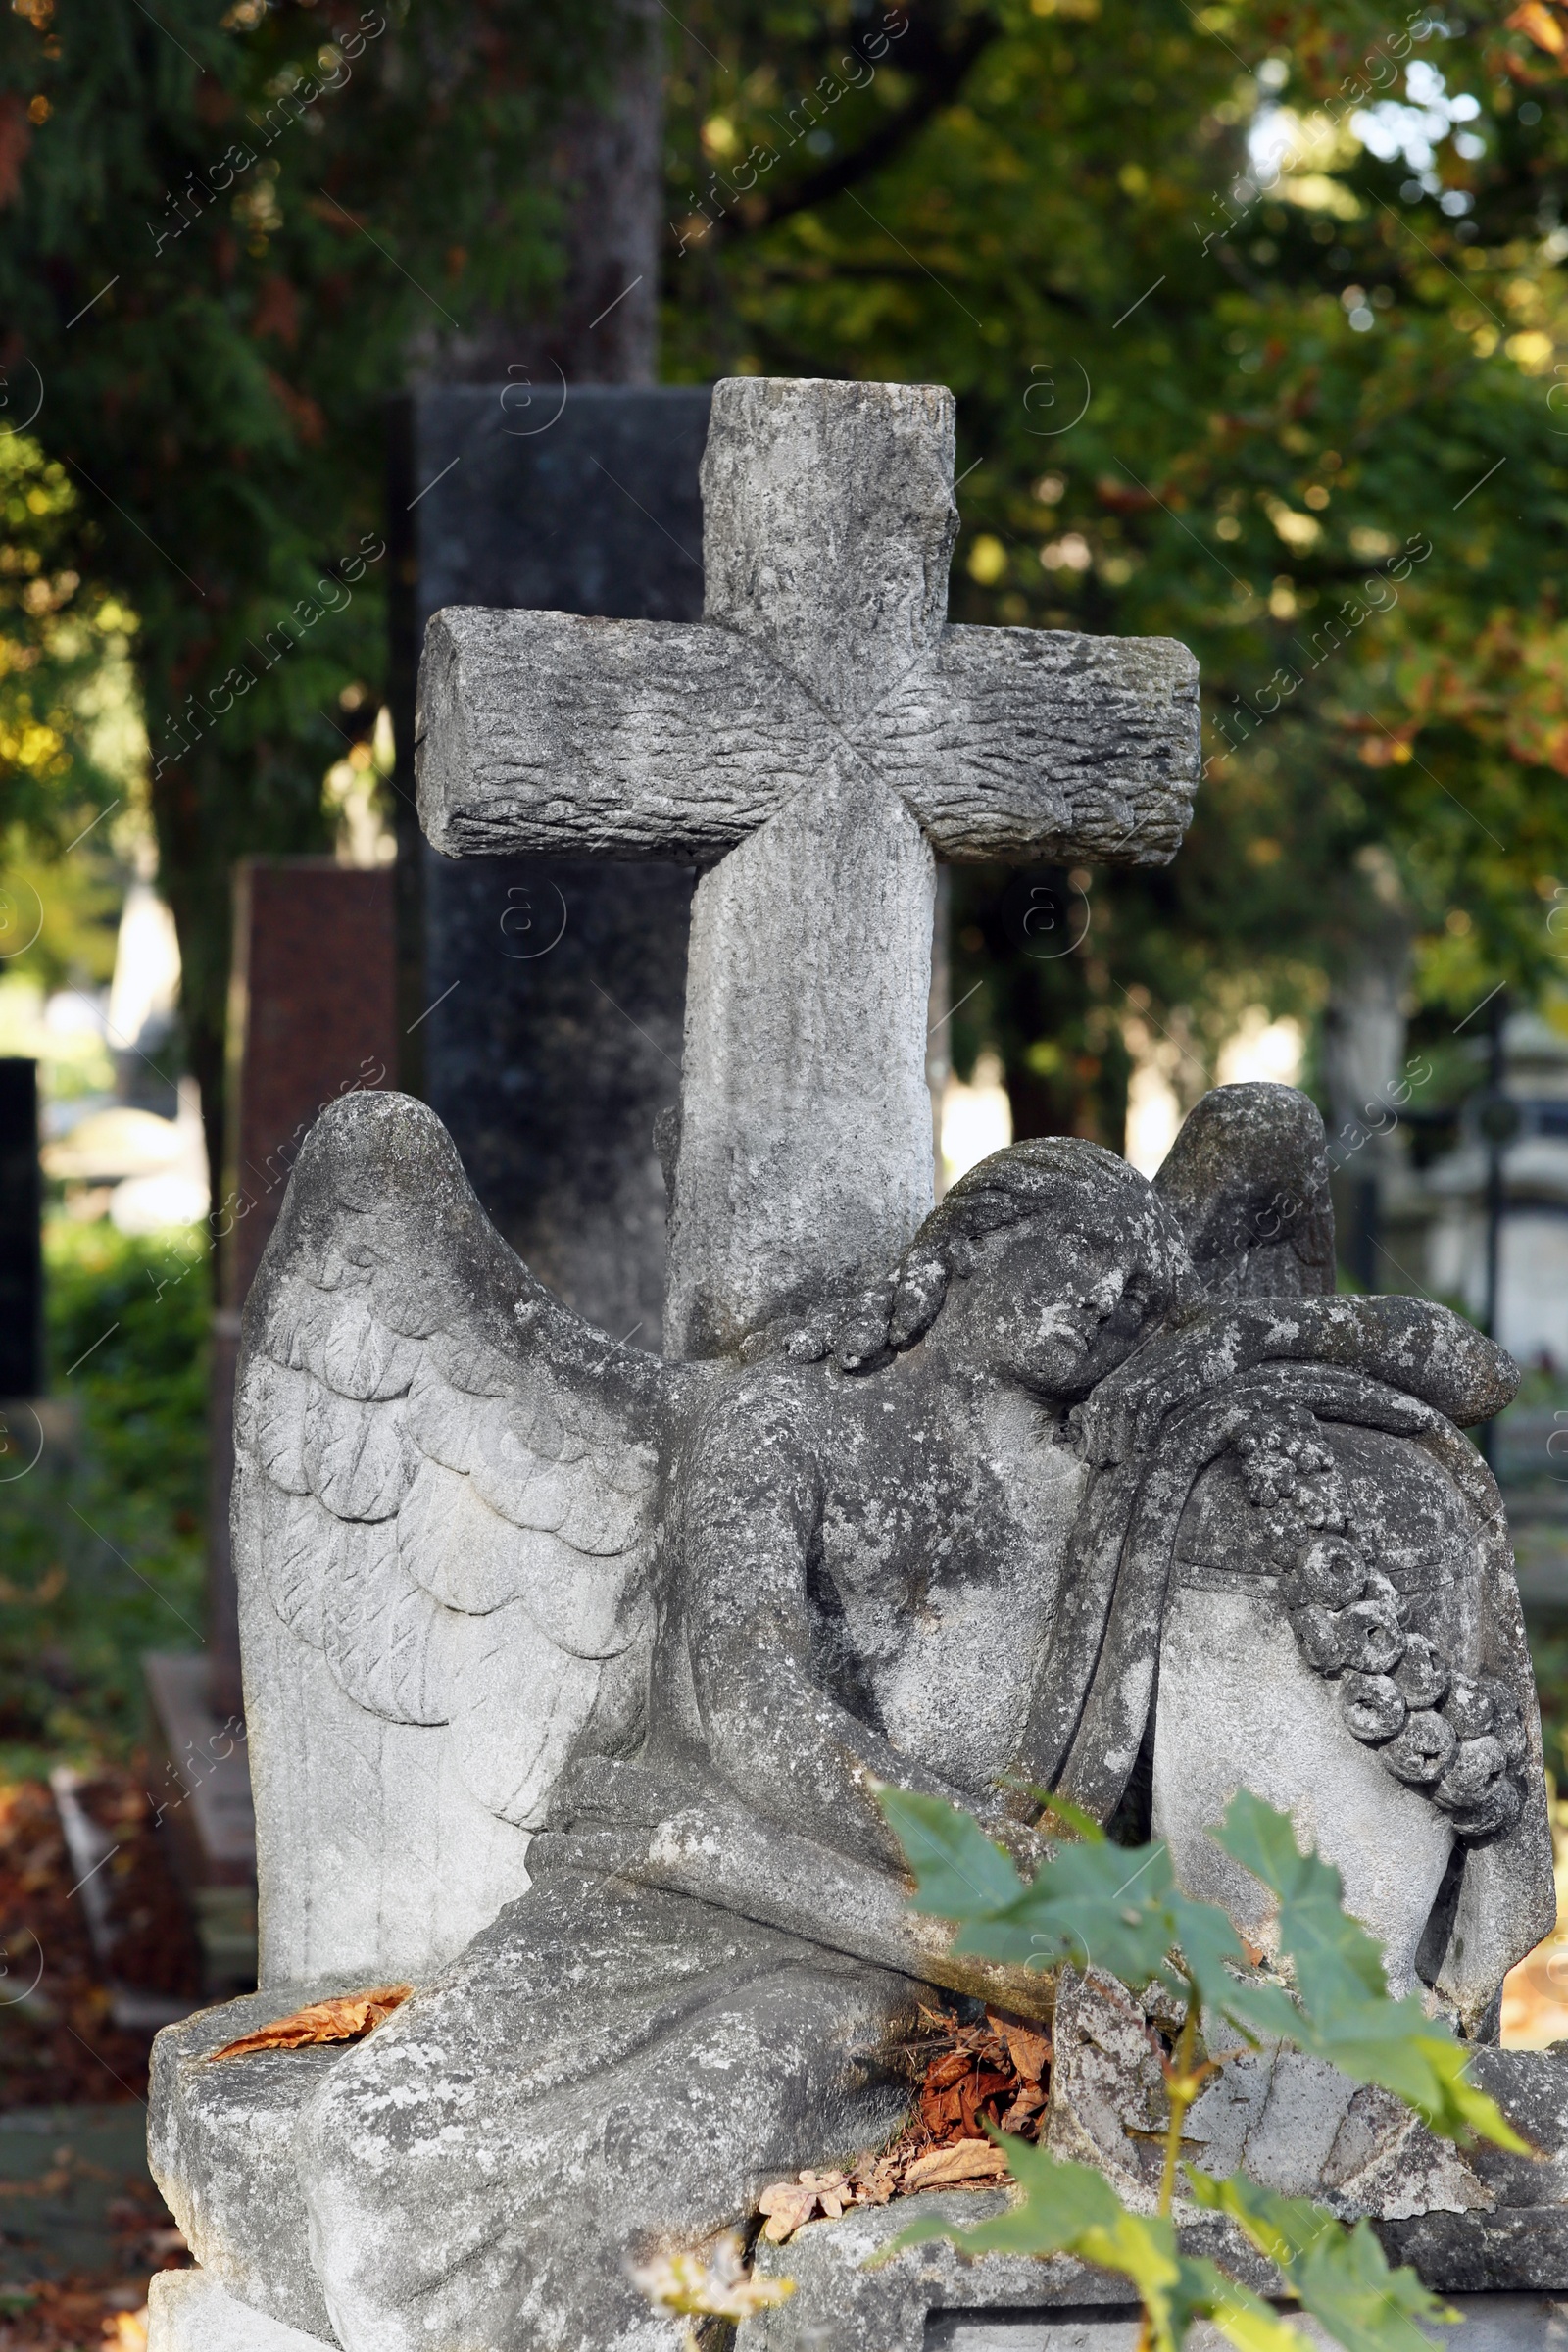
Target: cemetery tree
[
  {"x": 1292, "y": 393},
  {"x": 228, "y": 237},
  {"x": 1308, "y": 426}
]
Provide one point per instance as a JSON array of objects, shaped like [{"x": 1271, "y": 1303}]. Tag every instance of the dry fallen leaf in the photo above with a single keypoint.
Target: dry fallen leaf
[
  {"x": 964, "y": 2160},
  {"x": 969, "y": 2077},
  {"x": 790, "y": 2203},
  {"x": 875, "y": 2181},
  {"x": 1029, "y": 2050},
  {"x": 347, "y": 2018},
  {"x": 787, "y": 2205},
  {"x": 126, "y": 2332}
]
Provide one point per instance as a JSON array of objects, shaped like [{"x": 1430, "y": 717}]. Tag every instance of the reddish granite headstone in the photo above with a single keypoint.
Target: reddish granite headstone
[{"x": 312, "y": 1016}]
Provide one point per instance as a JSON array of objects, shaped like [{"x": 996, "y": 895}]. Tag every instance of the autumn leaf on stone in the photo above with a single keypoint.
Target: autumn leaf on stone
[
  {"x": 349, "y": 2017},
  {"x": 1027, "y": 2047},
  {"x": 788, "y": 2204},
  {"x": 966, "y": 2160}
]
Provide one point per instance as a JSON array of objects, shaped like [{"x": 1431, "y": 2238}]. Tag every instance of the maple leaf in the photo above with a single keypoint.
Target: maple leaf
[{"x": 348, "y": 2016}]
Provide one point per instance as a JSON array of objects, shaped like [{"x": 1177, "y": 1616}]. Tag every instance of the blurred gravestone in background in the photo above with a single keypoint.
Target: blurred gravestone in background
[
  {"x": 20, "y": 1252},
  {"x": 542, "y": 998},
  {"x": 311, "y": 1017}
]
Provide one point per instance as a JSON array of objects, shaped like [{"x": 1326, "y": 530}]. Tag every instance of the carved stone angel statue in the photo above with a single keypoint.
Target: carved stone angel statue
[{"x": 1099, "y": 1488}]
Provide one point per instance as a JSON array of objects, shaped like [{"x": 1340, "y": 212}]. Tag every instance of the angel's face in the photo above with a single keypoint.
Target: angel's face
[{"x": 1055, "y": 1311}]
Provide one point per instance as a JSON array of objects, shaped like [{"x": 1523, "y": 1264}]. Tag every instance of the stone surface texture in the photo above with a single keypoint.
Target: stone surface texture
[
  {"x": 220, "y": 2145},
  {"x": 820, "y": 736},
  {"x": 189, "y": 2312},
  {"x": 780, "y": 1189},
  {"x": 679, "y": 1620},
  {"x": 444, "y": 1526},
  {"x": 929, "y": 2299},
  {"x": 1495, "y": 2226},
  {"x": 1247, "y": 1179},
  {"x": 925, "y": 1507}
]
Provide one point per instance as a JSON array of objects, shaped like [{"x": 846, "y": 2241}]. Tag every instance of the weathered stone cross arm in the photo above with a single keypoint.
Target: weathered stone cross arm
[
  {"x": 815, "y": 742},
  {"x": 546, "y": 734}
]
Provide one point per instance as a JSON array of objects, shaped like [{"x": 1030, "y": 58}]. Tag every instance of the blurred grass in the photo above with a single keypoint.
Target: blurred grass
[{"x": 101, "y": 1545}]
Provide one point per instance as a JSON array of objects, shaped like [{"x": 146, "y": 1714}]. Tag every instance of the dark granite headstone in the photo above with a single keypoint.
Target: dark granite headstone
[
  {"x": 543, "y": 998},
  {"x": 21, "y": 1256}
]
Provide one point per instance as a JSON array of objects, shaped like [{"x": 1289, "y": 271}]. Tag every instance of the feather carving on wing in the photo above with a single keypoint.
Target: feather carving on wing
[{"x": 446, "y": 1481}]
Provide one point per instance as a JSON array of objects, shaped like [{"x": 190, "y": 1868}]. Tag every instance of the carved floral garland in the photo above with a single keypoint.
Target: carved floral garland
[{"x": 1460, "y": 1740}]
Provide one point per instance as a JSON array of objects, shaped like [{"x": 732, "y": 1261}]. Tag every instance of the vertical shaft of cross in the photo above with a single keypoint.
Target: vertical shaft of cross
[
  {"x": 805, "y": 1157},
  {"x": 813, "y": 744}
]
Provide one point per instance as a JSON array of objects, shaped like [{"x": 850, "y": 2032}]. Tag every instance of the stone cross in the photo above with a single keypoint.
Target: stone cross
[{"x": 815, "y": 743}]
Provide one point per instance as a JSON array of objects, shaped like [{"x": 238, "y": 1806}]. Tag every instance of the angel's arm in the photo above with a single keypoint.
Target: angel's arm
[{"x": 752, "y": 1504}]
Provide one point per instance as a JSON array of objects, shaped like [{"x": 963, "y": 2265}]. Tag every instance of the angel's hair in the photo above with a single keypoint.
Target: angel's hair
[{"x": 1067, "y": 1182}]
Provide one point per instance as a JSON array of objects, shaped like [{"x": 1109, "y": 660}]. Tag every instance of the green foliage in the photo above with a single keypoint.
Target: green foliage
[
  {"x": 226, "y": 233},
  {"x": 101, "y": 1543},
  {"x": 55, "y": 634},
  {"x": 1339, "y": 2277},
  {"x": 1117, "y": 1909},
  {"x": 1343, "y": 2014},
  {"x": 1296, "y": 396},
  {"x": 1321, "y": 440}
]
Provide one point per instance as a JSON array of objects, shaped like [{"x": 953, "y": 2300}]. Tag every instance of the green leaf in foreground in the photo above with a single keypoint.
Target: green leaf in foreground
[
  {"x": 1335, "y": 1957},
  {"x": 1117, "y": 1909},
  {"x": 1339, "y": 2276},
  {"x": 1344, "y": 2014},
  {"x": 1071, "y": 2209},
  {"x": 959, "y": 1873},
  {"x": 1096, "y": 1906}
]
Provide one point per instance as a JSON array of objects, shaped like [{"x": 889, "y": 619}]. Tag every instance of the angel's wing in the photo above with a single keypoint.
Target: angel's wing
[
  {"x": 1248, "y": 1181},
  {"x": 443, "y": 1532}
]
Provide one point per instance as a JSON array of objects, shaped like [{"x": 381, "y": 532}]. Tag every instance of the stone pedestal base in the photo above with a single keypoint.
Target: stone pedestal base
[
  {"x": 928, "y": 2300},
  {"x": 188, "y": 2312},
  {"x": 1484, "y": 2227}
]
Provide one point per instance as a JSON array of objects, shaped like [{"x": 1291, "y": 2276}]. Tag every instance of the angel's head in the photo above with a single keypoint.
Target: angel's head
[{"x": 1047, "y": 1263}]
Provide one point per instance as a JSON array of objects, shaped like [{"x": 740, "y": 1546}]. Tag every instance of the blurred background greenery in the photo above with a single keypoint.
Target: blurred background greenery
[{"x": 103, "y": 1554}]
